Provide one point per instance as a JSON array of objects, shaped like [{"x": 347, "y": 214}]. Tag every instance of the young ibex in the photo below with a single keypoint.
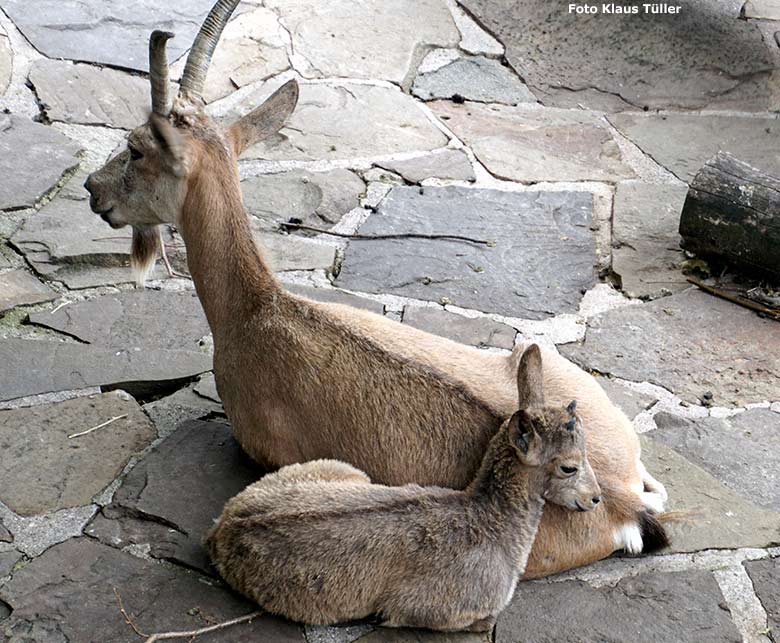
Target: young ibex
[
  {"x": 302, "y": 380},
  {"x": 318, "y": 543}
]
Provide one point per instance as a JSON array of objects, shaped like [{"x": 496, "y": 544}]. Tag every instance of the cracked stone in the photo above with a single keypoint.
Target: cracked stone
[
  {"x": 445, "y": 164},
  {"x": 139, "y": 319},
  {"x": 71, "y": 591},
  {"x": 479, "y": 332},
  {"x": 763, "y": 9},
  {"x": 371, "y": 40},
  {"x": 190, "y": 403},
  {"x": 713, "y": 516},
  {"x": 689, "y": 343},
  {"x": 650, "y": 607},
  {"x": 631, "y": 402},
  {"x": 703, "y": 57},
  {"x": 333, "y": 296},
  {"x": 337, "y": 634},
  {"x": 45, "y": 471},
  {"x": 90, "y": 95},
  {"x": 542, "y": 261},
  {"x": 646, "y": 251},
  {"x": 531, "y": 144},
  {"x": 48, "y": 155},
  {"x": 683, "y": 143},
  {"x": 7, "y": 561},
  {"x": 6, "y": 61},
  {"x": 765, "y": 575},
  {"x": 19, "y": 288},
  {"x": 329, "y": 123},
  {"x": 33, "y": 367},
  {"x": 474, "y": 78},
  {"x": 174, "y": 524},
  {"x": 290, "y": 252},
  {"x": 317, "y": 198},
  {"x": 112, "y": 33},
  {"x": 5, "y": 535},
  {"x": 67, "y": 242},
  {"x": 742, "y": 451}
]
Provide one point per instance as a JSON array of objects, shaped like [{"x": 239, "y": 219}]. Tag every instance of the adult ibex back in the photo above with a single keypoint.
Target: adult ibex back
[{"x": 302, "y": 380}]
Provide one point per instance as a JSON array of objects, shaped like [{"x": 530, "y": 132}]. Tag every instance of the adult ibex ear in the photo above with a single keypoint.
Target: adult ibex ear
[
  {"x": 265, "y": 120},
  {"x": 172, "y": 148},
  {"x": 530, "y": 391}
]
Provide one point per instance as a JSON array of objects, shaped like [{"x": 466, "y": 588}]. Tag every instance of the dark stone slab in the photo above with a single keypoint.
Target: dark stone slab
[
  {"x": 542, "y": 260},
  {"x": 19, "y": 287},
  {"x": 333, "y": 296},
  {"x": 444, "y": 164},
  {"x": 714, "y": 516},
  {"x": 765, "y": 575},
  {"x": 683, "y": 606},
  {"x": 110, "y": 33},
  {"x": 188, "y": 403},
  {"x": 317, "y": 198},
  {"x": 683, "y": 143},
  {"x": 145, "y": 319},
  {"x": 32, "y": 367},
  {"x": 646, "y": 254},
  {"x": 403, "y": 635},
  {"x": 690, "y": 343},
  {"x": 477, "y": 332},
  {"x": 68, "y": 594},
  {"x": 702, "y": 57},
  {"x": 28, "y": 176},
  {"x": 182, "y": 485},
  {"x": 742, "y": 451},
  {"x": 7, "y": 561},
  {"x": 530, "y": 145},
  {"x": 631, "y": 402},
  {"x": 90, "y": 95},
  {"x": 45, "y": 470},
  {"x": 476, "y": 78}
]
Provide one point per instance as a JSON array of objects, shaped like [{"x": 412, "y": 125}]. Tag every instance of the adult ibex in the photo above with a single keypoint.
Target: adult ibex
[
  {"x": 302, "y": 380},
  {"x": 318, "y": 543}
]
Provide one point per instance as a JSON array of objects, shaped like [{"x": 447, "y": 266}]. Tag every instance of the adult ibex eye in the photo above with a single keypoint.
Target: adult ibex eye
[
  {"x": 568, "y": 470},
  {"x": 134, "y": 153}
]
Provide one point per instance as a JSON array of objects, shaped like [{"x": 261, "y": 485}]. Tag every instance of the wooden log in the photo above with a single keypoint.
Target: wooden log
[{"x": 732, "y": 212}]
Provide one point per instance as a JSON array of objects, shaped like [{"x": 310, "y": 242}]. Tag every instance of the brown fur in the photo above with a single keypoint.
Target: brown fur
[
  {"x": 319, "y": 543},
  {"x": 302, "y": 380}
]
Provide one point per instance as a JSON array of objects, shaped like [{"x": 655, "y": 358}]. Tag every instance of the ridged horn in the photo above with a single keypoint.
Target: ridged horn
[
  {"x": 158, "y": 72},
  {"x": 194, "y": 78}
]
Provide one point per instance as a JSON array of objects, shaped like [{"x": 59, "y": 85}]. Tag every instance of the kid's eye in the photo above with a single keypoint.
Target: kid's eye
[{"x": 568, "y": 470}]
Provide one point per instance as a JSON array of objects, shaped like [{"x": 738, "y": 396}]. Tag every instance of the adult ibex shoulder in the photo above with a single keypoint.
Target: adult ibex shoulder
[
  {"x": 318, "y": 543},
  {"x": 302, "y": 380}
]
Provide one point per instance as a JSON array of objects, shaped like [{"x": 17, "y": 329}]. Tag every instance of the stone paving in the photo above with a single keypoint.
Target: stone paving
[{"x": 566, "y": 141}]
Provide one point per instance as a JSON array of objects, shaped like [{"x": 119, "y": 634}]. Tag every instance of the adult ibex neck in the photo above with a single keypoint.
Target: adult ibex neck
[{"x": 231, "y": 277}]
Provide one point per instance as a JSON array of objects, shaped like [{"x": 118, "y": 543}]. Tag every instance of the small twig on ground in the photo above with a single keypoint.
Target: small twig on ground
[
  {"x": 99, "y": 426},
  {"x": 128, "y": 620},
  {"x": 62, "y": 305},
  {"x": 740, "y": 301},
  {"x": 400, "y": 235},
  {"x": 204, "y": 630}
]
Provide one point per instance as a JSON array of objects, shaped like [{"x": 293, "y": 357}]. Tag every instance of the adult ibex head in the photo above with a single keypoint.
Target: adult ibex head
[{"x": 148, "y": 183}]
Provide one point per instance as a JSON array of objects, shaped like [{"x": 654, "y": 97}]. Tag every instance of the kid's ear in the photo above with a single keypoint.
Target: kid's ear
[
  {"x": 170, "y": 142},
  {"x": 530, "y": 391},
  {"x": 266, "y": 120},
  {"x": 525, "y": 439}
]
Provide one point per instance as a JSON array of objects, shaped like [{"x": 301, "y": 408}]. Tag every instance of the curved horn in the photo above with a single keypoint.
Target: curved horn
[
  {"x": 194, "y": 77},
  {"x": 158, "y": 72}
]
